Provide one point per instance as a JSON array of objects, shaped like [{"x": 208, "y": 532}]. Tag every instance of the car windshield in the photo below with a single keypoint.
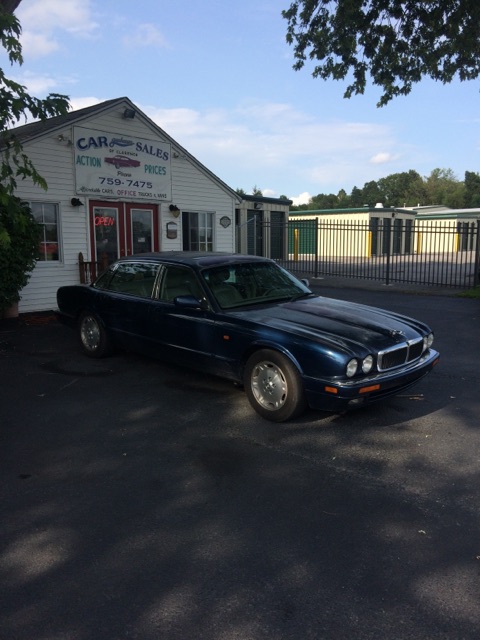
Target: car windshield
[{"x": 236, "y": 285}]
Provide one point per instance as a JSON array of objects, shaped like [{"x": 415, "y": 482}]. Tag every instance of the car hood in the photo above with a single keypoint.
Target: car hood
[{"x": 348, "y": 325}]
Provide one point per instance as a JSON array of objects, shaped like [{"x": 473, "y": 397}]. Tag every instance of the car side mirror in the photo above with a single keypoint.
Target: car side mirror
[
  {"x": 306, "y": 282},
  {"x": 188, "y": 302}
]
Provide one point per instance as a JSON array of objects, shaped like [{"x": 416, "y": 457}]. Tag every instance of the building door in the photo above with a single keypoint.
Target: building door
[{"x": 122, "y": 229}]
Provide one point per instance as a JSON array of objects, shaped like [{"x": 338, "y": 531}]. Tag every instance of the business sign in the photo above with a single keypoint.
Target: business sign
[{"x": 121, "y": 166}]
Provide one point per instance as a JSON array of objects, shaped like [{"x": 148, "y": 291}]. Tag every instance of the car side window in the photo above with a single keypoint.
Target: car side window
[
  {"x": 179, "y": 281},
  {"x": 135, "y": 278},
  {"x": 103, "y": 279}
]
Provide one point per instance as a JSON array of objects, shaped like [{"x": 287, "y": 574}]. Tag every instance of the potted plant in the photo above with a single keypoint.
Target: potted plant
[{"x": 19, "y": 238}]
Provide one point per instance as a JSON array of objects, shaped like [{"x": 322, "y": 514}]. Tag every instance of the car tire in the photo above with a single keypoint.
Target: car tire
[
  {"x": 273, "y": 386},
  {"x": 94, "y": 339}
]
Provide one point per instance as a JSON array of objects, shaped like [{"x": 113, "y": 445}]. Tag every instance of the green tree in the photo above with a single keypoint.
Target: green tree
[
  {"x": 9, "y": 6},
  {"x": 323, "y": 201},
  {"x": 257, "y": 192},
  {"x": 472, "y": 189},
  {"x": 394, "y": 42},
  {"x": 356, "y": 198},
  {"x": 17, "y": 255},
  {"x": 402, "y": 189},
  {"x": 443, "y": 187},
  {"x": 371, "y": 194},
  {"x": 16, "y": 104},
  {"x": 17, "y": 227}
]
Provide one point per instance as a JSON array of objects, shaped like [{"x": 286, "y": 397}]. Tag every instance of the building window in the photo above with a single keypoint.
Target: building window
[
  {"x": 197, "y": 231},
  {"x": 46, "y": 214}
]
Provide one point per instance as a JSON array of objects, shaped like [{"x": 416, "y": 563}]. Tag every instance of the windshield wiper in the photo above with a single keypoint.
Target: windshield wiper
[{"x": 299, "y": 296}]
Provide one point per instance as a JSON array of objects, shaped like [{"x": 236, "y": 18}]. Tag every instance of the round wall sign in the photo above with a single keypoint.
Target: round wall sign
[{"x": 225, "y": 221}]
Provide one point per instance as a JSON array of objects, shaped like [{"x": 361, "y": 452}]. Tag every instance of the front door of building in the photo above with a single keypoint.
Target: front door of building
[{"x": 122, "y": 229}]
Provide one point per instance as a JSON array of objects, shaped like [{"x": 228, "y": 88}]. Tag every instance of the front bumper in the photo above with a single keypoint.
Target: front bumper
[{"x": 334, "y": 395}]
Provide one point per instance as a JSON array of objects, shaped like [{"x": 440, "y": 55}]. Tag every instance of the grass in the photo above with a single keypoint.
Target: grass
[{"x": 471, "y": 293}]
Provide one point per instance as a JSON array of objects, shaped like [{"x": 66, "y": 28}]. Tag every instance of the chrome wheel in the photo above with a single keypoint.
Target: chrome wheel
[
  {"x": 269, "y": 386},
  {"x": 94, "y": 339},
  {"x": 90, "y": 333},
  {"x": 274, "y": 386}
]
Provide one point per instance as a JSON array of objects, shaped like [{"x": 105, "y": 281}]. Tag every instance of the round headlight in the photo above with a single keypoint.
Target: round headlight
[
  {"x": 427, "y": 341},
  {"x": 352, "y": 367},
  {"x": 367, "y": 364}
]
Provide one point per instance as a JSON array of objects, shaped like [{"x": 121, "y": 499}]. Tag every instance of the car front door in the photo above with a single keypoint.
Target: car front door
[{"x": 182, "y": 333}]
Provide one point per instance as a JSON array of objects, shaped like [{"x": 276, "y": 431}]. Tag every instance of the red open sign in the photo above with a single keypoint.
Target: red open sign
[{"x": 104, "y": 221}]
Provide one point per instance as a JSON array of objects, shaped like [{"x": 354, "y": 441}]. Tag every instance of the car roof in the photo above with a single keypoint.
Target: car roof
[{"x": 197, "y": 259}]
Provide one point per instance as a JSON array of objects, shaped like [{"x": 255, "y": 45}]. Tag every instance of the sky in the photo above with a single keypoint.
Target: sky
[{"x": 217, "y": 76}]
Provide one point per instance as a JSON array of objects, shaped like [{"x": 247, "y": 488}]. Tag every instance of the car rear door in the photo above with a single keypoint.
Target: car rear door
[{"x": 126, "y": 304}]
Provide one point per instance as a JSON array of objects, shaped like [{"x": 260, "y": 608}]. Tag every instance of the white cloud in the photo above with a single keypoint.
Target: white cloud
[
  {"x": 382, "y": 158},
  {"x": 41, "y": 84},
  {"x": 278, "y": 144},
  {"x": 81, "y": 103},
  {"x": 37, "y": 44},
  {"x": 146, "y": 35},
  {"x": 303, "y": 198},
  {"x": 38, "y": 85},
  {"x": 42, "y": 20}
]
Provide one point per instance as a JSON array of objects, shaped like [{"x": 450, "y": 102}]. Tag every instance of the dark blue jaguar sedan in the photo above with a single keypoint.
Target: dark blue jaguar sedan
[{"x": 248, "y": 320}]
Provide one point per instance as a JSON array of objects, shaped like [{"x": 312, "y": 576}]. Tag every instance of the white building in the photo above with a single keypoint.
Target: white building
[{"x": 117, "y": 185}]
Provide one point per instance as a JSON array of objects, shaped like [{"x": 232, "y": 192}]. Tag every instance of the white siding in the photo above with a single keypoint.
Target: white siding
[{"x": 193, "y": 189}]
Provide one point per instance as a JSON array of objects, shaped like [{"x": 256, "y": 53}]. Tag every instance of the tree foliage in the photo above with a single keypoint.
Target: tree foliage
[
  {"x": 406, "y": 189},
  {"x": 395, "y": 42},
  {"x": 472, "y": 189},
  {"x": 19, "y": 249},
  {"x": 16, "y": 105},
  {"x": 9, "y": 6},
  {"x": 19, "y": 233}
]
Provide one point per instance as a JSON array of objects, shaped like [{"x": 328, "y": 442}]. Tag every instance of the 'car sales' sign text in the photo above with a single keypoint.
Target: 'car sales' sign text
[{"x": 121, "y": 166}]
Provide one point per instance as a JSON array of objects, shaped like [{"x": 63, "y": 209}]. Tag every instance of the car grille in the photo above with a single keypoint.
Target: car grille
[{"x": 400, "y": 355}]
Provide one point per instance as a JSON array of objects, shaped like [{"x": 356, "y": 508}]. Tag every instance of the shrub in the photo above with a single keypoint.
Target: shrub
[{"x": 19, "y": 238}]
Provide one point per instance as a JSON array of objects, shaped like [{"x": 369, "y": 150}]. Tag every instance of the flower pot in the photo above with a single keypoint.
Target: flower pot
[{"x": 11, "y": 312}]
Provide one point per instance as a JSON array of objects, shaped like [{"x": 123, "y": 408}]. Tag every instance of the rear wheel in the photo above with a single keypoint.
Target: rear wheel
[
  {"x": 273, "y": 386},
  {"x": 94, "y": 340}
]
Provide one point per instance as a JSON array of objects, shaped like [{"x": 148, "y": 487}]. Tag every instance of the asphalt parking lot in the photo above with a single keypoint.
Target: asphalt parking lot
[{"x": 140, "y": 500}]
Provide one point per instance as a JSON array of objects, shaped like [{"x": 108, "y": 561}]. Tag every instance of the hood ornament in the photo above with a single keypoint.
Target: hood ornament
[{"x": 396, "y": 332}]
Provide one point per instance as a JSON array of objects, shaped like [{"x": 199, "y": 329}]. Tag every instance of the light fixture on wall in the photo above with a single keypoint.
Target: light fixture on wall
[
  {"x": 257, "y": 205},
  {"x": 175, "y": 211},
  {"x": 76, "y": 202},
  {"x": 129, "y": 114},
  {"x": 62, "y": 138}
]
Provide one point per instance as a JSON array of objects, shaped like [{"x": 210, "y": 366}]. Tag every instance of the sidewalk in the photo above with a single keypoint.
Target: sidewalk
[{"x": 333, "y": 282}]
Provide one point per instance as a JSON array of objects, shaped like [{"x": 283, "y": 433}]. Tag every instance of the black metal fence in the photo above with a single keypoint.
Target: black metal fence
[{"x": 428, "y": 252}]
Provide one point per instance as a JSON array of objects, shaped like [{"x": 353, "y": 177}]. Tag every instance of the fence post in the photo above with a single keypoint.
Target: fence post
[
  {"x": 81, "y": 267},
  {"x": 389, "y": 244},
  {"x": 476, "y": 275},
  {"x": 317, "y": 242}
]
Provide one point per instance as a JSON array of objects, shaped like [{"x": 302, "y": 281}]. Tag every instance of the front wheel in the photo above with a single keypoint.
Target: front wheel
[
  {"x": 94, "y": 340},
  {"x": 273, "y": 386}
]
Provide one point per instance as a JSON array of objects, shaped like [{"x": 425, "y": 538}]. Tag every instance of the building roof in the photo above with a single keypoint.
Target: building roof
[
  {"x": 250, "y": 198},
  {"x": 436, "y": 212},
  {"x": 348, "y": 211}
]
